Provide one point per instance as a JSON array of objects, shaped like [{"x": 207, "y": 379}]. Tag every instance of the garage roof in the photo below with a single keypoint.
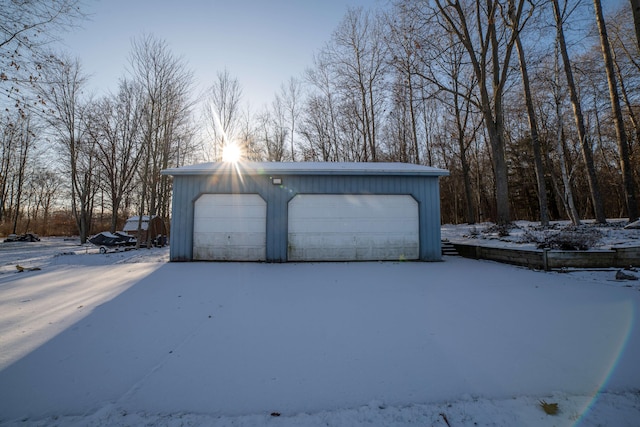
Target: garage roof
[{"x": 308, "y": 168}]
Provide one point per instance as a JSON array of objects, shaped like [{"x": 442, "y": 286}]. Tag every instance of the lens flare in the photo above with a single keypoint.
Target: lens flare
[
  {"x": 627, "y": 316},
  {"x": 231, "y": 153}
]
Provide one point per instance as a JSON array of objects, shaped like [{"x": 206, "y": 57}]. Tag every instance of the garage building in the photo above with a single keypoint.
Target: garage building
[{"x": 309, "y": 211}]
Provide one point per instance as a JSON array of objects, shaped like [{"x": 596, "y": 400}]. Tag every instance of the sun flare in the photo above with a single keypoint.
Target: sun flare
[{"x": 231, "y": 153}]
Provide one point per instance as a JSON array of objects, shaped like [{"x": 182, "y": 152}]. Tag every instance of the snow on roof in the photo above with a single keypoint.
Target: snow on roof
[
  {"x": 137, "y": 218},
  {"x": 132, "y": 223},
  {"x": 308, "y": 168}
]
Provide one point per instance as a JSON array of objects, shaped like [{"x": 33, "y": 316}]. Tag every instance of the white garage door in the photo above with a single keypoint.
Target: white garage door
[
  {"x": 230, "y": 227},
  {"x": 331, "y": 227}
]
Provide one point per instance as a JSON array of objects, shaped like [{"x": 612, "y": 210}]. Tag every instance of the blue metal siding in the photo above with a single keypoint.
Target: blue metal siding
[{"x": 187, "y": 189}]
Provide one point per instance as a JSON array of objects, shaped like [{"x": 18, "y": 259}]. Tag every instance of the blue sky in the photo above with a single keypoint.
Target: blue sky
[{"x": 261, "y": 42}]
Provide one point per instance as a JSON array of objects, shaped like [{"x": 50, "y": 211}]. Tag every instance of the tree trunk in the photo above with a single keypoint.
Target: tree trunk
[
  {"x": 567, "y": 193},
  {"x": 470, "y": 214},
  {"x": 630, "y": 109},
  {"x": 470, "y": 211},
  {"x": 414, "y": 127},
  {"x": 635, "y": 7},
  {"x": 490, "y": 98},
  {"x": 114, "y": 214},
  {"x": 621, "y": 134},
  {"x": 535, "y": 140},
  {"x": 587, "y": 154}
]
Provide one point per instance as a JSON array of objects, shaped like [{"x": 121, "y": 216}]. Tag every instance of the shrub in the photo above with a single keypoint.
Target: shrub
[
  {"x": 473, "y": 233},
  {"x": 502, "y": 230},
  {"x": 570, "y": 238}
]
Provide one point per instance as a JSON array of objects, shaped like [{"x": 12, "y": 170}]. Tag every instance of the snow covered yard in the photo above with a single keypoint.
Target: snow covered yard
[
  {"x": 609, "y": 235},
  {"x": 128, "y": 339}
]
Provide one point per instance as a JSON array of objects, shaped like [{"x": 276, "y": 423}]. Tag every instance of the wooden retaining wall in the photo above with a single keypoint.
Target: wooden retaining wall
[{"x": 547, "y": 259}]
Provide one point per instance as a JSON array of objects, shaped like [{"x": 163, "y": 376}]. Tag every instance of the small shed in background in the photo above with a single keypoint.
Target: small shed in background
[
  {"x": 314, "y": 211},
  {"x": 152, "y": 226}
]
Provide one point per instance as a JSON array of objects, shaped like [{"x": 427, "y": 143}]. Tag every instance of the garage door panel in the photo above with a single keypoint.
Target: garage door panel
[
  {"x": 228, "y": 254},
  {"x": 324, "y": 240},
  {"x": 353, "y": 227},
  {"x": 217, "y": 211},
  {"x": 390, "y": 249},
  {"x": 229, "y": 227},
  {"x": 355, "y": 210},
  {"x": 320, "y": 253},
  {"x": 229, "y": 239}
]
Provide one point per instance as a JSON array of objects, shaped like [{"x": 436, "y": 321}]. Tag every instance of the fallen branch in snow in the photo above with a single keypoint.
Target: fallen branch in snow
[
  {"x": 444, "y": 417},
  {"x": 23, "y": 269},
  {"x": 549, "y": 408}
]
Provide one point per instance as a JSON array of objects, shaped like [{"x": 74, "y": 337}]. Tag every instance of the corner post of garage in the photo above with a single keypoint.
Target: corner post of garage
[{"x": 277, "y": 224}]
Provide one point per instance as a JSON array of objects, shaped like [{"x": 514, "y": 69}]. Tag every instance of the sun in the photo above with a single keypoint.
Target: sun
[{"x": 231, "y": 153}]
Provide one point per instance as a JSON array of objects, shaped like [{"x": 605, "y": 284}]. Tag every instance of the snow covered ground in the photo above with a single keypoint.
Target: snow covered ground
[
  {"x": 611, "y": 234},
  {"x": 130, "y": 339}
]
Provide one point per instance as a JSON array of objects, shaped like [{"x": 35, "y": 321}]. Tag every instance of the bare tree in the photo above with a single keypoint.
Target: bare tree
[
  {"x": 621, "y": 134},
  {"x": 404, "y": 43},
  {"x": 117, "y": 129},
  {"x": 247, "y": 137},
  {"x": 533, "y": 128},
  {"x": 490, "y": 55},
  {"x": 166, "y": 85},
  {"x": 631, "y": 112},
  {"x": 445, "y": 66},
  {"x": 16, "y": 150},
  {"x": 320, "y": 126},
  {"x": 26, "y": 136},
  {"x": 587, "y": 153},
  {"x": 222, "y": 111},
  {"x": 567, "y": 192},
  {"x": 273, "y": 131},
  {"x": 26, "y": 28},
  {"x": 290, "y": 97},
  {"x": 9, "y": 141},
  {"x": 357, "y": 56},
  {"x": 635, "y": 8},
  {"x": 61, "y": 89},
  {"x": 465, "y": 133},
  {"x": 45, "y": 186}
]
